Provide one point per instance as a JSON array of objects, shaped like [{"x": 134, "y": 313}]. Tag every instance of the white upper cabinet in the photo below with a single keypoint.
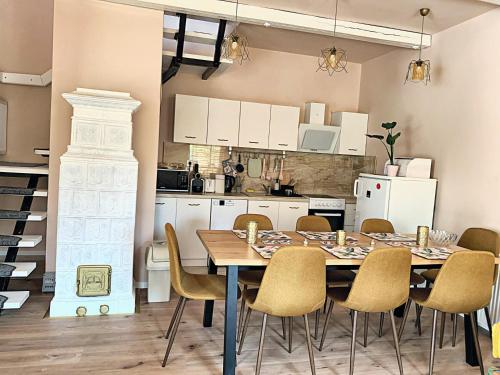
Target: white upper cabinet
[
  {"x": 191, "y": 118},
  {"x": 254, "y": 125},
  {"x": 353, "y": 132},
  {"x": 223, "y": 122},
  {"x": 283, "y": 128}
]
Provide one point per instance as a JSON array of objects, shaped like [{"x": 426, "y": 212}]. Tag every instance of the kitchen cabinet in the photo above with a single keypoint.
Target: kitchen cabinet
[
  {"x": 284, "y": 128},
  {"x": 289, "y": 212},
  {"x": 254, "y": 125},
  {"x": 353, "y": 129},
  {"x": 267, "y": 208},
  {"x": 192, "y": 214},
  {"x": 223, "y": 122},
  {"x": 350, "y": 215},
  {"x": 165, "y": 212},
  {"x": 191, "y": 119}
]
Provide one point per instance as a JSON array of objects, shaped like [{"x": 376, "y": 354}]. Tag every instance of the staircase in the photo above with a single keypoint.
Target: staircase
[{"x": 16, "y": 241}]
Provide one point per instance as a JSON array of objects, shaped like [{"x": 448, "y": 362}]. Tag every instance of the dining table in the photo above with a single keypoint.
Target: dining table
[{"x": 226, "y": 250}]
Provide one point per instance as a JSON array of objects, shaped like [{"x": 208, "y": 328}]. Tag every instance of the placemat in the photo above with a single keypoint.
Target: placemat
[
  {"x": 322, "y": 236},
  {"x": 347, "y": 252},
  {"x": 277, "y": 242},
  {"x": 266, "y": 251},
  {"x": 389, "y": 237},
  {"x": 263, "y": 234},
  {"x": 432, "y": 253}
]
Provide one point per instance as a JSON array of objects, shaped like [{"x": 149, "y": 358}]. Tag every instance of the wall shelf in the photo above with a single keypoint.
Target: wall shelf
[{"x": 40, "y": 80}]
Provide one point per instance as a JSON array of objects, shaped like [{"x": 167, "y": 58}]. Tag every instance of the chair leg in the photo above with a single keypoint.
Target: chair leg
[
  {"x": 283, "y": 326},
  {"x": 316, "y": 325},
  {"x": 488, "y": 320},
  {"x": 172, "y": 320},
  {"x": 405, "y": 317},
  {"x": 261, "y": 344},
  {"x": 381, "y": 325},
  {"x": 441, "y": 332},
  {"x": 455, "y": 325},
  {"x": 365, "y": 336},
  {"x": 476, "y": 343},
  {"x": 174, "y": 331},
  {"x": 433, "y": 340},
  {"x": 290, "y": 334},
  {"x": 353, "y": 341},
  {"x": 419, "y": 314},
  {"x": 325, "y": 327},
  {"x": 242, "y": 313},
  {"x": 309, "y": 345},
  {"x": 396, "y": 341},
  {"x": 244, "y": 332}
]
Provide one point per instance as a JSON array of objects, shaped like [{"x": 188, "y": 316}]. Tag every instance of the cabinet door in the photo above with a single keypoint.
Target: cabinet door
[
  {"x": 192, "y": 214},
  {"x": 284, "y": 128},
  {"x": 267, "y": 208},
  {"x": 350, "y": 215},
  {"x": 254, "y": 125},
  {"x": 289, "y": 212},
  {"x": 191, "y": 119},
  {"x": 353, "y": 132},
  {"x": 165, "y": 212},
  {"x": 223, "y": 122}
]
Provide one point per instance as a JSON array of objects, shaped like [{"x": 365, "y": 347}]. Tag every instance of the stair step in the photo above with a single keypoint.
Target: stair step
[
  {"x": 24, "y": 168},
  {"x": 15, "y": 299},
  {"x": 33, "y": 216},
  {"x": 36, "y": 193},
  {"x": 29, "y": 240},
  {"x": 191, "y": 36},
  {"x": 23, "y": 269}
]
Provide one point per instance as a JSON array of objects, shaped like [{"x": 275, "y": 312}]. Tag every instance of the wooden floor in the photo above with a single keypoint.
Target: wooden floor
[{"x": 32, "y": 343}]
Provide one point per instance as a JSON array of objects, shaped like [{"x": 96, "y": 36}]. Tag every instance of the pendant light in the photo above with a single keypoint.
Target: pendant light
[
  {"x": 235, "y": 45},
  {"x": 333, "y": 59},
  {"x": 419, "y": 71}
]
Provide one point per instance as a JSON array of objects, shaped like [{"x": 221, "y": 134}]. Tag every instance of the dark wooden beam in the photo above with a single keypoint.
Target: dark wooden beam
[{"x": 218, "y": 50}]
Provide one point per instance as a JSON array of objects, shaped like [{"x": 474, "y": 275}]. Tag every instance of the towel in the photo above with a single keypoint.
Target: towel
[
  {"x": 6, "y": 240},
  {"x": 17, "y": 215},
  {"x": 6, "y": 270}
]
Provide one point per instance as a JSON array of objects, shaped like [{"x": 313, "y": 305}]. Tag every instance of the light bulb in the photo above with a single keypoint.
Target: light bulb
[
  {"x": 332, "y": 59},
  {"x": 234, "y": 45},
  {"x": 418, "y": 72}
]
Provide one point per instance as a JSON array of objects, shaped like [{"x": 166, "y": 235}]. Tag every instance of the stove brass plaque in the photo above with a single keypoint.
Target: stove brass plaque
[{"x": 93, "y": 281}]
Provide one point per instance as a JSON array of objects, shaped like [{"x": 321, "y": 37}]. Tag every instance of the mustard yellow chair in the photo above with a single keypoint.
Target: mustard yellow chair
[
  {"x": 463, "y": 286},
  {"x": 188, "y": 287},
  {"x": 284, "y": 296},
  {"x": 385, "y": 226},
  {"x": 473, "y": 239},
  {"x": 380, "y": 286}
]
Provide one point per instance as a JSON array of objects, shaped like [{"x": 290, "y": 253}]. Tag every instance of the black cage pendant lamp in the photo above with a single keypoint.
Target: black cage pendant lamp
[
  {"x": 235, "y": 45},
  {"x": 333, "y": 59},
  {"x": 419, "y": 71}
]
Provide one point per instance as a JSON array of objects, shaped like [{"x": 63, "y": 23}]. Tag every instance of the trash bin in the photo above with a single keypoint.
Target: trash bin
[{"x": 158, "y": 267}]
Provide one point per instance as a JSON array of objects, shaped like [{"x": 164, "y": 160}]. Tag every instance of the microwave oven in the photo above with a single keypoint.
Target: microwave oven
[{"x": 172, "y": 180}]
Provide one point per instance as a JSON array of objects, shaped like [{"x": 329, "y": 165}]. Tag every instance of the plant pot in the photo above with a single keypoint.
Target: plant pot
[{"x": 392, "y": 170}]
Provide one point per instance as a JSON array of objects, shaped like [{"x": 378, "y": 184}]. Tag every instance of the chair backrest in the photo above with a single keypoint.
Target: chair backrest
[
  {"x": 463, "y": 284},
  {"x": 377, "y": 226},
  {"x": 263, "y": 222},
  {"x": 294, "y": 282},
  {"x": 313, "y": 224},
  {"x": 382, "y": 282},
  {"x": 176, "y": 270}
]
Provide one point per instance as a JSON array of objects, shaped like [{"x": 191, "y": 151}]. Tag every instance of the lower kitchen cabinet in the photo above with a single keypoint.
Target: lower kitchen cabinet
[
  {"x": 267, "y": 208},
  {"x": 165, "y": 212},
  {"x": 289, "y": 212},
  {"x": 350, "y": 213},
  {"x": 192, "y": 214}
]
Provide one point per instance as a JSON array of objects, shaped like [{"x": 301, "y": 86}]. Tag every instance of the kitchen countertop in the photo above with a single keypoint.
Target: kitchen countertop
[{"x": 249, "y": 197}]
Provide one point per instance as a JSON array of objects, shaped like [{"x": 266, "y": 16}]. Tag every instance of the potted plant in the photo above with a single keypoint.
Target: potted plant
[{"x": 390, "y": 141}]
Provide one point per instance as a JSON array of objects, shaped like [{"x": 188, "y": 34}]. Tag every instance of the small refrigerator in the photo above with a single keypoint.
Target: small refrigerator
[{"x": 405, "y": 202}]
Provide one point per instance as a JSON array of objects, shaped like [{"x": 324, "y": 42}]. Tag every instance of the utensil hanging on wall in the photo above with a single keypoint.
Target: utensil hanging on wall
[
  {"x": 269, "y": 173},
  {"x": 254, "y": 167},
  {"x": 239, "y": 167},
  {"x": 280, "y": 176},
  {"x": 264, "y": 170}
]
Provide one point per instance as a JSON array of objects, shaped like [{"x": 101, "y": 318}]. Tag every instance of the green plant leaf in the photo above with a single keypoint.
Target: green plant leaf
[
  {"x": 376, "y": 136},
  {"x": 389, "y": 125},
  {"x": 391, "y": 139}
]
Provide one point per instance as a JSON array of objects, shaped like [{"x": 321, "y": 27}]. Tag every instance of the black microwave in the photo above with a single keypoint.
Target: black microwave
[{"x": 172, "y": 180}]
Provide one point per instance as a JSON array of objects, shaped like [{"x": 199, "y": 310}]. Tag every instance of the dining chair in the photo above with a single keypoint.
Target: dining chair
[
  {"x": 385, "y": 226},
  {"x": 334, "y": 278},
  {"x": 284, "y": 296},
  {"x": 480, "y": 239},
  {"x": 251, "y": 278},
  {"x": 381, "y": 285},
  {"x": 463, "y": 286},
  {"x": 188, "y": 286}
]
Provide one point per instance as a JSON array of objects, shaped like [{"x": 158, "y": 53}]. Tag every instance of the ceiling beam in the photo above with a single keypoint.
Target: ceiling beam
[{"x": 256, "y": 15}]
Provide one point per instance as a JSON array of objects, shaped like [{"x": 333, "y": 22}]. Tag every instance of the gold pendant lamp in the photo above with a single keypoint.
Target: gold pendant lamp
[
  {"x": 235, "y": 45},
  {"x": 419, "y": 71}
]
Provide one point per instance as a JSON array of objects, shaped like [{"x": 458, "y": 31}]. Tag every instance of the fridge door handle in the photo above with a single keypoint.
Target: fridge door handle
[{"x": 356, "y": 184}]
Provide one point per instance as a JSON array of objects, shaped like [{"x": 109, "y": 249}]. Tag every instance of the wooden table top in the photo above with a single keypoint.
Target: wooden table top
[{"x": 226, "y": 249}]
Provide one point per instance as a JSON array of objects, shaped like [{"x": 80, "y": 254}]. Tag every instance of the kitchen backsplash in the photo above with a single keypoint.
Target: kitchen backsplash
[{"x": 313, "y": 173}]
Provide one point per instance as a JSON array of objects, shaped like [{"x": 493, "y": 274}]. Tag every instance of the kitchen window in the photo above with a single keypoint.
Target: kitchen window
[{"x": 209, "y": 158}]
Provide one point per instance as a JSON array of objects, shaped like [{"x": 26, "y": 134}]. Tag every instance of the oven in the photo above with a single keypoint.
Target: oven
[{"x": 332, "y": 209}]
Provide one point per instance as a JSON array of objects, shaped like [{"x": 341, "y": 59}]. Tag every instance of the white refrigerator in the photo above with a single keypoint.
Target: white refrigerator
[{"x": 406, "y": 202}]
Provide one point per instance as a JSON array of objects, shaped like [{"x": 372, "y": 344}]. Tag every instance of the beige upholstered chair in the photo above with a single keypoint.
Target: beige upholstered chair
[
  {"x": 463, "y": 286},
  {"x": 384, "y": 226},
  {"x": 473, "y": 239},
  {"x": 313, "y": 224},
  {"x": 284, "y": 296},
  {"x": 188, "y": 287},
  {"x": 380, "y": 286}
]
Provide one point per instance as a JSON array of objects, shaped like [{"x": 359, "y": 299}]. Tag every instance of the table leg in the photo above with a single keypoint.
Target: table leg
[
  {"x": 209, "y": 305},
  {"x": 230, "y": 318},
  {"x": 470, "y": 349}
]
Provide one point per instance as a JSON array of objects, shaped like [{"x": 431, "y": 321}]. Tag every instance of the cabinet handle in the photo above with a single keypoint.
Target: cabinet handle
[
  {"x": 283, "y": 144},
  {"x": 352, "y": 149},
  {"x": 254, "y": 142},
  {"x": 193, "y": 204},
  {"x": 294, "y": 208},
  {"x": 189, "y": 137},
  {"x": 222, "y": 140},
  {"x": 159, "y": 204},
  {"x": 263, "y": 206}
]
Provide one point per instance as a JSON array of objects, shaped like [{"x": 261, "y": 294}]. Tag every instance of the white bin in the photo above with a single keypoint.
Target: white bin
[{"x": 158, "y": 266}]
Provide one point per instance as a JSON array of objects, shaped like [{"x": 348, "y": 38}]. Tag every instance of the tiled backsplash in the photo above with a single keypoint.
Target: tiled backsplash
[{"x": 313, "y": 173}]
